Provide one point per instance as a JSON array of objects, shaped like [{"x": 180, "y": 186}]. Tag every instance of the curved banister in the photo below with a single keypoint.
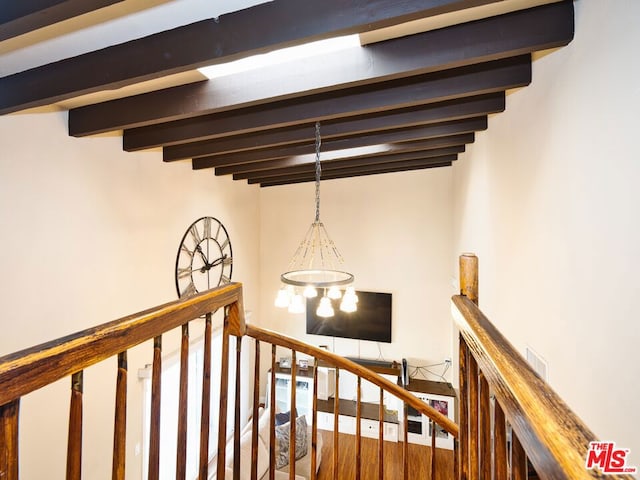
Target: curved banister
[
  {"x": 30, "y": 369},
  {"x": 27, "y": 370},
  {"x": 275, "y": 338},
  {"x": 554, "y": 438}
]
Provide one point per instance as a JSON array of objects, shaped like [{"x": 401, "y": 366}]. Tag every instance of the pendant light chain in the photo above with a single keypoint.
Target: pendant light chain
[{"x": 318, "y": 171}]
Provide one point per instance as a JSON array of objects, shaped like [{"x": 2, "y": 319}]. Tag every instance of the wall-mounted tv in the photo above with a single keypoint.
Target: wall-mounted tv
[{"x": 372, "y": 320}]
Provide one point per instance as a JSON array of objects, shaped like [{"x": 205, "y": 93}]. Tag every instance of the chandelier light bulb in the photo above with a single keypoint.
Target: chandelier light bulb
[
  {"x": 347, "y": 306},
  {"x": 283, "y": 298},
  {"x": 350, "y": 295},
  {"x": 334, "y": 293},
  {"x": 324, "y": 308},
  {"x": 310, "y": 292},
  {"x": 297, "y": 304}
]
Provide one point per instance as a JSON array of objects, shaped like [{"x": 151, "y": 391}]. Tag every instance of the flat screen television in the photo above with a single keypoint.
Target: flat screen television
[{"x": 372, "y": 320}]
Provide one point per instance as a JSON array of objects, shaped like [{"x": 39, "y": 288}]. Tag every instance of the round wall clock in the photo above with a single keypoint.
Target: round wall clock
[{"x": 204, "y": 258}]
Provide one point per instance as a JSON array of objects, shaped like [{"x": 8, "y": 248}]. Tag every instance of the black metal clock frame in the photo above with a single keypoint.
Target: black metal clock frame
[{"x": 204, "y": 250}]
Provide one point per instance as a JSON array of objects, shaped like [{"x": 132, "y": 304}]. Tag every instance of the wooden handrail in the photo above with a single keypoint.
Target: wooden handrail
[
  {"x": 27, "y": 370},
  {"x": 553, "y": 437},
  {"x": 342, "y": 363}
]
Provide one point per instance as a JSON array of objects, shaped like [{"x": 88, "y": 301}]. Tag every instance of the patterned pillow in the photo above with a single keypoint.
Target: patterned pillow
[
  {"x": 282, "y": 418},
  {"x": 282, "y": 441}
]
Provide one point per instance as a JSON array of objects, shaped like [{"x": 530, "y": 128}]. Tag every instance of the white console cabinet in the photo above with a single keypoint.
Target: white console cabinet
[
  {"x": 368, "y": 427},
  {"x": 370, "y": 398}
]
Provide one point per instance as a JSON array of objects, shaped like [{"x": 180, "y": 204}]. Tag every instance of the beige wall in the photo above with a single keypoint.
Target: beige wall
[
  {"x": 89, "y": 234},
  {"x": 548, "y": 198},
  {"x": 394, "y": 232}
]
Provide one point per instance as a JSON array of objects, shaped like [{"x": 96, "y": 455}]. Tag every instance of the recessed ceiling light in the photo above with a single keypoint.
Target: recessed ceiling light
[{"x": 281, "y": 56}]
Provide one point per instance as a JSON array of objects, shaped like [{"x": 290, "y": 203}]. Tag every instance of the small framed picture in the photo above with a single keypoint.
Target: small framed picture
[
  {"x": 303, "y": 363},
  {"x": 285, "y": 362}
]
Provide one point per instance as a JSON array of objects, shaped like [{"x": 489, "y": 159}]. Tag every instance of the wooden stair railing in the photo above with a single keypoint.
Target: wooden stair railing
[
  {"x": 543, "y": 430},
  {"x": 26, "y": 371},
  {"x": 261, "y": 335},
  {"x": 33, "y": 368},
  {"x": 525, "y": 423}
]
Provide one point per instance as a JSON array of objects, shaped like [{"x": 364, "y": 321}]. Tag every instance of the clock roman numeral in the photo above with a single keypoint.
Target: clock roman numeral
[
  {"x": 224, "y": 279},
  {"x": 227, "y": 260},
  {"x": 224, "y": 244},
  {"x": 218, "y": 231},
  {"x": 195, "y": 234},
  {"x": 184, "y": 272},
  {"x": 184, "y": 249},
  {"x": 207, "y": 227},
  {"x": 190, "y": 290}
]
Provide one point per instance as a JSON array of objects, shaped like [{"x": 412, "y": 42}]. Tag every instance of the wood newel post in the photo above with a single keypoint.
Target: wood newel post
[
  {"x": 235, "y": 318},
  {"x": 469, "y": 276},
  {"x": 467, "y": 457}
]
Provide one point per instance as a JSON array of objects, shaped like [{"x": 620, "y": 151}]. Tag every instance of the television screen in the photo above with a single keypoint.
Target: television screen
[{"x": 372, "y": 320}]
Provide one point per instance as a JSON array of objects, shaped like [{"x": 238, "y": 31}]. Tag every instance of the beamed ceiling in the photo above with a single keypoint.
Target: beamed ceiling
[{"x": 412, "y": 97}]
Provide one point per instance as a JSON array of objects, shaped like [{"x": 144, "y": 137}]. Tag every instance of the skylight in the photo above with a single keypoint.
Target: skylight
[
  {"x": 346, "y": 153},
  {"x": 281, "y": 56}
]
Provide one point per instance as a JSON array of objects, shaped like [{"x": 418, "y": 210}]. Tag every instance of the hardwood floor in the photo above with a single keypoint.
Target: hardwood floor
[{"x": 419, "y": 460}]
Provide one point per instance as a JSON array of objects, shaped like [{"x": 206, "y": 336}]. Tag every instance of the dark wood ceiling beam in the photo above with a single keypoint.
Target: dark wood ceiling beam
[
  {"x": 377, "y": 167},
  {"x": 264, "y": 27},
  {"x": 327, "y": 167},
  {"x": 302, "y": 160},
  {"x": 20, "y": 16},
  {"x": 479, "y": 79},
  {"x": 423, "y": 115},
  {"x": 445, "y": 161},
  {"x": 253, "y": 157},
  {"x": 474, "y": 42}
]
